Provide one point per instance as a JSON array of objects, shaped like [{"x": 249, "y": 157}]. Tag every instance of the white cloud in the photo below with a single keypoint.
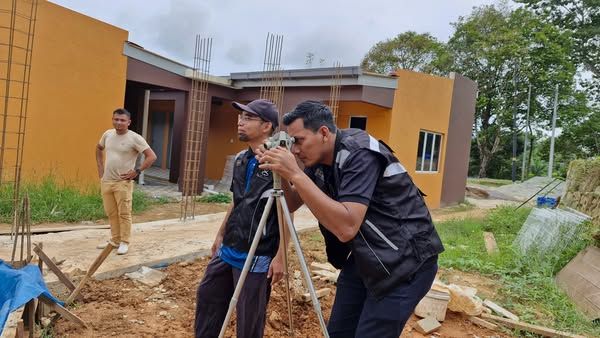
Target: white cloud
[{"x": 334, "y": 30}]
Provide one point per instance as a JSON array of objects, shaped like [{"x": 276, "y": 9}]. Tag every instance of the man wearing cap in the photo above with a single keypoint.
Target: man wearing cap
[{"x": 250, "y": 188}]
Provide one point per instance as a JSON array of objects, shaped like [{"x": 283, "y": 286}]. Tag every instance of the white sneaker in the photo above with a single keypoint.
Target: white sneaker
[
  {"x": 105, "y": 244},
  {"x": 123, "y": 248}
]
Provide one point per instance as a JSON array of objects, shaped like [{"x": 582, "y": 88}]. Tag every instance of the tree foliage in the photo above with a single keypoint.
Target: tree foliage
[
  {"x": 581, "y": 18},
  {"x": 505, "y": 51},
  {"x": 408, "y": 50}
]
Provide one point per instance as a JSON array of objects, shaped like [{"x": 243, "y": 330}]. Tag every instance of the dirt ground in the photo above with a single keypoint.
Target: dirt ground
[
  {"x": 121, "y": 307},
  {"x": 172, "y": 210}
]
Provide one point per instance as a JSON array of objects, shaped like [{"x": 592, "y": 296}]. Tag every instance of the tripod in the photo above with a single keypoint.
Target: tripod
[{"x": 282, "y": 212}]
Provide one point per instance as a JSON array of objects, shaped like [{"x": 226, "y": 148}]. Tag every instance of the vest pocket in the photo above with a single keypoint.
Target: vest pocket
[
  {"x": 367, "y": 260},
  {"x": 381, "y": 235}
]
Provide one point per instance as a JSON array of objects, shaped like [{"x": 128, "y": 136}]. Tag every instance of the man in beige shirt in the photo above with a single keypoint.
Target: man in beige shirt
[{"x": 122, "y": 147}]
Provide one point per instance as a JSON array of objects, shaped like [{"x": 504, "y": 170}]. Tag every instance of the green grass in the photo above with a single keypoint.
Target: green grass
[
  {"x": 528, "y": 286},
  {"x": 216, "y": 198},
  {"x": 54, "y": 202},
  {"x": 490, "y": 182}
]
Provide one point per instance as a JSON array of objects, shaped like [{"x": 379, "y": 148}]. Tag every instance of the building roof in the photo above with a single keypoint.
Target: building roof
[
  {"x": 314, "y": 77},
  {"x": 138, "y": 52},
  {"x": 311, "y": 77}
]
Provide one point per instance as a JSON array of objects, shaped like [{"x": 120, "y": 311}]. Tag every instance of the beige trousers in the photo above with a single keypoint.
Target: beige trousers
[{"x": 117, "y": 197}]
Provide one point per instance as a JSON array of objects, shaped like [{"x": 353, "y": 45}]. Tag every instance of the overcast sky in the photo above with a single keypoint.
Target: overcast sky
[{"x": 334, "y": 30}]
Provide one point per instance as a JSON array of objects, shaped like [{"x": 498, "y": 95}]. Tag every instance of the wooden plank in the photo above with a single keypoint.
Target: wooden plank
[
  {"x": 483, "y": 323},
  {"x": 61, "y": 276},
  {"x": 39, "y": 312},
  {"x": 500, "y": 310},
  {"x": 320, "y": 294},
  {"x": 541, "y": 330},
  {"x": 20, "y": 333},
  {"x": 39, "y": 230},
  {"x": 95, "y": 265},
  {"x": 31, "y": 306},
  {"x": 62, "y": 311}
]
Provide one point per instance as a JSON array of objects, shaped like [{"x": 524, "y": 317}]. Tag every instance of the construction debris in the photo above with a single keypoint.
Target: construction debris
[
  {"x": 320, "y": 294},
  {"x": 427, "y": 325},
  {"x": 147, "y": 276},
  {"x": 543, "y": 331},
  {"x": 327, "y": 275},
  {"x": 500, "y": 310},
  {"x": 580, "y": 279},
  {"x": 323, "y": 266},
  {"x": 434, "y": 304},
  {"x": 463, "y": 299},
  {"x": 483, "y": 323},
  {"x": 549, "y": 230}
]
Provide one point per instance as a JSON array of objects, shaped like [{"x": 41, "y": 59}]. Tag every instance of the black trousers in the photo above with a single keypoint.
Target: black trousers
[
  {"x": 215, "y": 292},
  {"x": 356, "y": 313}
]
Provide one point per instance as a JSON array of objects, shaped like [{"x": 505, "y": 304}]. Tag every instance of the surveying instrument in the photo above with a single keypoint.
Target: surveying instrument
[{"x": 283, "y": 214}]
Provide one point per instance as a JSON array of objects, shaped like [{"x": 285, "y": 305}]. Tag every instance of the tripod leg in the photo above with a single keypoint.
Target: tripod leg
[
  {"x": 307, "y": 279},
  {"x": 282, "y": 235},
  {"x": 247, "y": 263}
]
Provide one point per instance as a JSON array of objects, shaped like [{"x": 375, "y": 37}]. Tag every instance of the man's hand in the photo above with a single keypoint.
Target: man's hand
[
  {"x": 281, "y": 161},
  {"x": 276, "y": 269},
  {"x": 131, "y": 174},
  {"x": 100, "y": 172},
  {"x": 216, "y": 245}
]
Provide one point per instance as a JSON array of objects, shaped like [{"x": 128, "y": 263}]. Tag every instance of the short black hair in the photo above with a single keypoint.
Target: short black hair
[
  {"x": 122, "y": 111},
  {"x": 314, "y": 114}
]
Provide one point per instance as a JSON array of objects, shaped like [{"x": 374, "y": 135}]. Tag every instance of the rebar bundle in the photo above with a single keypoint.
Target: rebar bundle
[
  {"x": 334, "y": 93},
  {"x": 196, "y": 127},
  {"x": 17, "y": 29},
  {"x": 272, "y": 82}
]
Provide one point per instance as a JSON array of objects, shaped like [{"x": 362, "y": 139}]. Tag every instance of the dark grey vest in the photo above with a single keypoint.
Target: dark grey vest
[{"x": 248, "y": 208}]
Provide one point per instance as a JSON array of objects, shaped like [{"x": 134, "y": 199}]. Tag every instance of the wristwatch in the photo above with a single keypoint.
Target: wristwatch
[{"x": 138, "y": 171}]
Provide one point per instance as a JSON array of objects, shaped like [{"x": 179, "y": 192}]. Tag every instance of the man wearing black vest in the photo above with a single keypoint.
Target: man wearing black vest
[
  {"x": 374, "y": 220},
  {"x": 250, "y": 188}
]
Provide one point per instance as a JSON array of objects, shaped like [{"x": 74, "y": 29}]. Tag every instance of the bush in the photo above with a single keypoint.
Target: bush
[
  {"x": 216, "y": 198},
  {"x": 50, "y": 201},
  {"x": 528, "y": 285}
]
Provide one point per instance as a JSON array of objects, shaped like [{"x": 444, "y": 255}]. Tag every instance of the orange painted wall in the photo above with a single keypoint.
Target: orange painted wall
[
  {"x": 421, "y": 102},
  {"x": 378, "y": 118},
  {"x": 222, "y": 139},
  {"x": 77, "y": 79}
]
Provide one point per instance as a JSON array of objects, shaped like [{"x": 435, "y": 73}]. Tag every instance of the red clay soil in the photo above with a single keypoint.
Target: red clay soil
[{"x": 121, "y": 307}]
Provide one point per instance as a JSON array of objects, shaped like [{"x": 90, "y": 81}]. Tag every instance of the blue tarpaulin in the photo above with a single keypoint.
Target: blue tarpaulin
[{"x": 19, "y": 286}]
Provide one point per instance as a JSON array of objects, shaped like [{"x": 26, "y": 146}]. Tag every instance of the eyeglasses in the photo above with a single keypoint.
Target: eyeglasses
[{"x": 247, "y": 118}]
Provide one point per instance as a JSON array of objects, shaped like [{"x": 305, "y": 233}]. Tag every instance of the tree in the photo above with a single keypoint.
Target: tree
[
  {"x": 504, "y": 51},
  {"x": 581, "y": 18},
  {"x": 408, "y": 50}
]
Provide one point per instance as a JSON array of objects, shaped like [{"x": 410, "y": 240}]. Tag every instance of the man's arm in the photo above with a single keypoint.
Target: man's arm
[
  {"x": 294, "y": 202},
  {"x": 343, "y": 219},
  {"x": 100, "y": 160},
  {"x": 149, "y": 158},
  {"x": 221, "y": 232}
]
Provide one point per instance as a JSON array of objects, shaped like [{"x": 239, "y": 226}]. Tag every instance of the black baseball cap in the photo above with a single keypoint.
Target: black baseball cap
[{"x": 262, "y": 108}]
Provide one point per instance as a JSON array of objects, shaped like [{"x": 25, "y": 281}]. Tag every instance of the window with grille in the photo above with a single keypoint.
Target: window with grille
[{"x": 428, "y": 152}]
